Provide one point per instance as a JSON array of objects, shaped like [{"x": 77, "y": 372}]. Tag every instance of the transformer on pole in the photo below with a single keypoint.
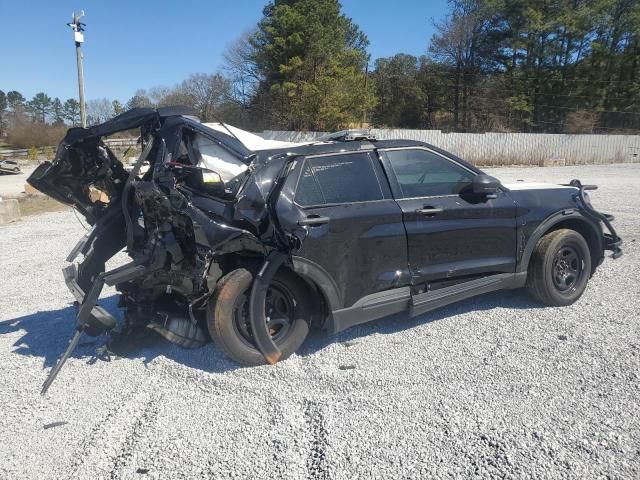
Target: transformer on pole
[{"x": 78, "y": 36}]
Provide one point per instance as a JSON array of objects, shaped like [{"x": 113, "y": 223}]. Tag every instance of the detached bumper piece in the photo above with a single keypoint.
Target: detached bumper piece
[
  {"x": 91, "y": 318},
  {"x": 611, "y": 241},
  {"x": 98, "y": 319}
]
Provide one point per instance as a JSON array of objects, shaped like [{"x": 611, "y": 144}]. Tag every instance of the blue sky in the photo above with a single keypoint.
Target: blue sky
[{"x": 141, "y": 44}]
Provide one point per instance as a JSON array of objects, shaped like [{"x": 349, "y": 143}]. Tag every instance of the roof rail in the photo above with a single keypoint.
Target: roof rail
[{"x": 347, "y": 136}]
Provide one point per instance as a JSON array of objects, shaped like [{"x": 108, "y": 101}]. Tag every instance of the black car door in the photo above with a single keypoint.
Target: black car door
[
  {"x": 452, "y": 233},
  {"x": 351, "y": 224}
]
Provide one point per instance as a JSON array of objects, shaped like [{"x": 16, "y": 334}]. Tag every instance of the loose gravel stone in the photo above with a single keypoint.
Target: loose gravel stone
[{"x": 495, "y": 386}]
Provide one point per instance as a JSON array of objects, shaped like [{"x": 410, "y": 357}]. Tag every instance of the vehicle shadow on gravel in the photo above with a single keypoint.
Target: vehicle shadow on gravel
[
  {"x": 509, "y": 299},
  {"x": 46, "y": 334}
]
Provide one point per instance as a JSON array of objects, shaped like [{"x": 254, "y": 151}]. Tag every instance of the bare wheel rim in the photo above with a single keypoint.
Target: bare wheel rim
[
  {"x": 567, "y": 269},
  {"x": 279, "y": 312}
]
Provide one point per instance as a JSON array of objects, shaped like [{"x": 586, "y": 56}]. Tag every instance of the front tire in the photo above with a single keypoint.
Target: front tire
[
  {"x": 288, "y": 311},
  {"x": 560, "y": 268}
]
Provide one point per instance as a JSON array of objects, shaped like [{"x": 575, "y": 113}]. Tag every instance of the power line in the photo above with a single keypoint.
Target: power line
[
  {"x": 500, "y": 89},
  {"x": 554, "y": 107},
  {"x": 536, "y": 122},
  {"x": 506, "y": 76},
  {"x": 595, "y": 126}
]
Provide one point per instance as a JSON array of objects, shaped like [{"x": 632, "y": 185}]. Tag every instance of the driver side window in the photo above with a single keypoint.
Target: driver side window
[{"x": 421, "y": 173}]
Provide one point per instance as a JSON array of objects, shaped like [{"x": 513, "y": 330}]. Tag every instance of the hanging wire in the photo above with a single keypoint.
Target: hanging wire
[{"x": 75, "y": 212}]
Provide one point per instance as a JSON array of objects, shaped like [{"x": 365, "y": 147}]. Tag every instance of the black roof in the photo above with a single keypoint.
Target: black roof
[
  {"x": 338, "y": 146},
  {"x": 171, "y": 117},
  {"x": 352, "y": 146}
]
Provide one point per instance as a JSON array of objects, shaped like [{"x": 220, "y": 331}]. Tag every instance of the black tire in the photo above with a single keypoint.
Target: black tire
[
  {"x": 559, "y": 268},
  {"x": 227, "y": 315}
]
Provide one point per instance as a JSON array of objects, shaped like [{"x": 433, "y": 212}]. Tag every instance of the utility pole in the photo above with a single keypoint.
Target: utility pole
[
  {"x": 366, "y": 77},
  {"x": 78, "y": 37}
]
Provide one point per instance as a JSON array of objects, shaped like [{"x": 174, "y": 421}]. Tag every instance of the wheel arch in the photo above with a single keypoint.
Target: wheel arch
[
  {"x": 321, "y": 284},
  {"x": 590, "y": 232}
]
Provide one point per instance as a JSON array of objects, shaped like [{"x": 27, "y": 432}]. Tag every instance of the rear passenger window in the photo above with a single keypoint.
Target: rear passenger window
[
  {"x": 338, "y": 179},
  {"x": 308, "y": 192},
  {"x": 421, "y": 173}
]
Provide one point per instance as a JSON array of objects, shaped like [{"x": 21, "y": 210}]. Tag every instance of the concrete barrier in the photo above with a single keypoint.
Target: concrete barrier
[{"x": 9, "y": 210}]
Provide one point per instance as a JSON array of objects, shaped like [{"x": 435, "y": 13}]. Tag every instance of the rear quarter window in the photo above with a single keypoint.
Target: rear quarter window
[{"x": 345, "y": 178}]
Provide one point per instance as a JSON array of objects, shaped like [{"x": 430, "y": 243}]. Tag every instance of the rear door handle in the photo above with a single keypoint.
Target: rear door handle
[
  {"x": 429, "y": 211},
  {"x": 312, "y": 220}
]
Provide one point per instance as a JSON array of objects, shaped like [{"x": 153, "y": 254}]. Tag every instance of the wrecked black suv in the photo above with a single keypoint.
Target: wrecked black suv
[{"x": 256, "y": 242}]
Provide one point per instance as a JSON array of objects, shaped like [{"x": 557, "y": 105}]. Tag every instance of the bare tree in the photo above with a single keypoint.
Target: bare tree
[
  {"x": 457, "y": 44},
  {"x": 140, "y": 99},
  {"x": 241, "y": 69},
  {"x": 99, "y": 110},
  {"x": 207, "y": 93},
  {"x": 170, "y": 96}
]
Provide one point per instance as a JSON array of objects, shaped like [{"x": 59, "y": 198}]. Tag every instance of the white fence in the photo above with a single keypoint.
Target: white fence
[
  {"x": 493, "y": 149},
  {"x": 509, "y": 148}
]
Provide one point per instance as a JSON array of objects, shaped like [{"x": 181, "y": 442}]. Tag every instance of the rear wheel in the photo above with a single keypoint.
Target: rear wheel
[
  {"x": 287, "y": 311},
  {"x": 560, "y": 268}
]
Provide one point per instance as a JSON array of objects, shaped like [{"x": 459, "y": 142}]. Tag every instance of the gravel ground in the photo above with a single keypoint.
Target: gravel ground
[{"x": 493, "y": 386}]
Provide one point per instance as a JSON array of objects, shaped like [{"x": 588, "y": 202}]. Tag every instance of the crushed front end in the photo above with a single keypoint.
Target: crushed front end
[{"x": 182, "y": 225}]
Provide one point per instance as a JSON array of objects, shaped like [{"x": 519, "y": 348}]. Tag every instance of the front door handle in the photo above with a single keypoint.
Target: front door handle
[
  {"x": 429, "y": 211},
  {"x": 312, "y": 220}
]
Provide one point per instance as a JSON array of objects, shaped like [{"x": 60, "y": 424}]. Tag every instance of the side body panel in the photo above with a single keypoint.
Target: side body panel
[
  {"x": 467, "y": 238},
  {"x": 455, "y": 236},
  {"x": 362, "y": 247},
  {"x": 540, "y": 209}
]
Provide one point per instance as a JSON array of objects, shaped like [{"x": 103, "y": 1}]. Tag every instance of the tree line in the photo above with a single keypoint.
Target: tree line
[
  {"x": 528, "y": 65},
  {"x": 37, "y": 122},
  {"x": 492, "y": 65},
  {"x": 41, "y": 108}
]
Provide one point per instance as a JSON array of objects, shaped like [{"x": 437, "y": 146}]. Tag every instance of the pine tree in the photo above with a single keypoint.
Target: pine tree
[
  {"x": 71, "y": 111},
  {"x": 311, "y": 59},
  {"x": 57, "y": 111},
  {"x": 40, "y": 106}
]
